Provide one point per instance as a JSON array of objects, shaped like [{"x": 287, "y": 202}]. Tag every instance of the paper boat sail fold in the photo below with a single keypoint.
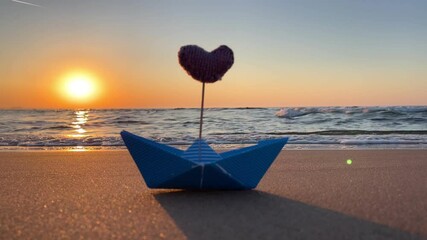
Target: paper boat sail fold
[{"x": 200, "y": 167}]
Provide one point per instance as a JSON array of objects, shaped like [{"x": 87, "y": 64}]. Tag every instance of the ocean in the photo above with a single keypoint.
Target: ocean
[{"x": 308, "y": 127}]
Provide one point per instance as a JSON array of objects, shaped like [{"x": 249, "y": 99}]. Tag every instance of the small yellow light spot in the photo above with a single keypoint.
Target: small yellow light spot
[{"x": 349, "y": 161}]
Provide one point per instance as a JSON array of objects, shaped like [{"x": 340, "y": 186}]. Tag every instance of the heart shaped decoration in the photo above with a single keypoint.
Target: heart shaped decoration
[{"x": 206, "y": 67}]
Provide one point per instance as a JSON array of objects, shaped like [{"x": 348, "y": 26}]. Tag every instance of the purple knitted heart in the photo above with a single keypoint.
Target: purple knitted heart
[{"x": 207, "y": 67}]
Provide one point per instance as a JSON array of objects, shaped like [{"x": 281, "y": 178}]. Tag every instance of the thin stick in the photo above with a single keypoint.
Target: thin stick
[{"x": 201, "y": 111}]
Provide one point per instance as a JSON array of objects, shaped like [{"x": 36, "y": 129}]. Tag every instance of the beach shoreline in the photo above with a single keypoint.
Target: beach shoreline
[
  {"x": 221, "y": 147},
  {"x": 305, "y": 194}
]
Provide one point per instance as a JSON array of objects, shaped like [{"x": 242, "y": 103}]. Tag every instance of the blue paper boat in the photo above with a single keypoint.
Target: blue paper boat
[{"x": 200, "y": 167}]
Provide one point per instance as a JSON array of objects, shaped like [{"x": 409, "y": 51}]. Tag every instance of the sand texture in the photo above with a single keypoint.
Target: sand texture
[{"x": 305, "y": 195}]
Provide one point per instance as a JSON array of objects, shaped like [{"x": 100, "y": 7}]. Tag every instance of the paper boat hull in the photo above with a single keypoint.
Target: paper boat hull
[{"x": 200, "y": 167}]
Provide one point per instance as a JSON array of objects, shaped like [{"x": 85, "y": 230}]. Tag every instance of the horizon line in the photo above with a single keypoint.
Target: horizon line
[{"x": 166, "y": 108}]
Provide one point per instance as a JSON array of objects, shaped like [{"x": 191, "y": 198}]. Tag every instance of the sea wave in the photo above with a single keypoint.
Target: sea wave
[
  {"x": 386, "y": 111},
  {"x": 331, "y": 132},
  {"x": 305, "y": 139},
  {"x": 307, "y": 126}
]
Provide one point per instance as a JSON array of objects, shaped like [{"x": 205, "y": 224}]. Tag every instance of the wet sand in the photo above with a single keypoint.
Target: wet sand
[{"x": 308, "y": 194}]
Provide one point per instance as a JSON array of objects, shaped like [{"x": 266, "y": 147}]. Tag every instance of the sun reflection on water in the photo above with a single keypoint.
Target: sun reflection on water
[
  {"x": 80, "y": 119},
  {"x": 78, "y": 149}
]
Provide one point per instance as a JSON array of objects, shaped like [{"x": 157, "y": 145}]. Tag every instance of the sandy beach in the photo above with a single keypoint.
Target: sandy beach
[{"x": 306, "y": 194}]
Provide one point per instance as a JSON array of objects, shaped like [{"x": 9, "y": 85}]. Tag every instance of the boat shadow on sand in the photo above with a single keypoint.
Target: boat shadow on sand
[{"x": 260, "y": 215}]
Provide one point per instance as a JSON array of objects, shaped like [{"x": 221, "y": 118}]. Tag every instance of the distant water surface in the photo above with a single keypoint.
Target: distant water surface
[{"x": 308, "y": 128}]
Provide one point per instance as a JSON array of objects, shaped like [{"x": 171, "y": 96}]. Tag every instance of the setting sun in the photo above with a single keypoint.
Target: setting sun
[{"x": 79, "y": 87}]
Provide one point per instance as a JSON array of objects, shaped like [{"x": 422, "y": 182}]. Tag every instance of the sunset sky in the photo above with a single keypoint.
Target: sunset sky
[{"x": 287, "y": 53}]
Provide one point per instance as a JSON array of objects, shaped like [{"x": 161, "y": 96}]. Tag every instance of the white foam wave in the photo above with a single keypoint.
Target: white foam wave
[{"x": 290, "y": 113}]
